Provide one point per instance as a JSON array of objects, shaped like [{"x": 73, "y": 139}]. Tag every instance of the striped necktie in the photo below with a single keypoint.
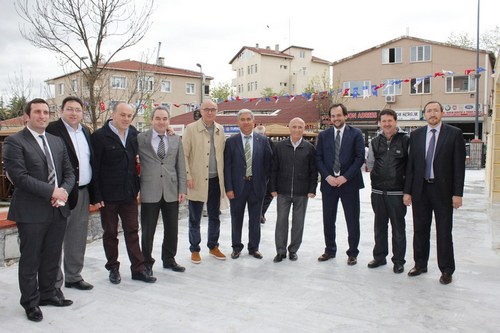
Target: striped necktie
[
  {"x": 248, "y": 156},
  {"x": 161, "y": 148},
  {"x": 52, "y": 172},
  {"x": 336, "y": 161}
]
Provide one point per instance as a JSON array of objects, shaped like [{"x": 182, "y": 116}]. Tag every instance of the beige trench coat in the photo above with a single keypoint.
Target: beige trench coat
[{"x": 196, "y": 142}]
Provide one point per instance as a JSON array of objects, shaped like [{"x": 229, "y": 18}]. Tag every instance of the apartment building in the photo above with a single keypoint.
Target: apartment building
[
  {"x": 290, "y": 71},
  {"x": 141, "y": 84},
  {"x": 405, "y": 73}
]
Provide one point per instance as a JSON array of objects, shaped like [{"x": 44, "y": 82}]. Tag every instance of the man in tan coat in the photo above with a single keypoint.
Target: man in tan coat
[{"x": 203, "y": 143}]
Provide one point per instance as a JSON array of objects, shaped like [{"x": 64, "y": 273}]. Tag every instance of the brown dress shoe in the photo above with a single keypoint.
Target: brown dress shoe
[
  {"x": 351, "y": 261},
  {"x": 256, "y": 254},
  {"x": 415, "y": 271},
  {"x": 445, "y": 278},
  {"x": 326, "y": 256}
]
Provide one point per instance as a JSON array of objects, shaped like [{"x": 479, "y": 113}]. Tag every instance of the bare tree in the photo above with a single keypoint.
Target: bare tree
[{"x": 85, "y": 29}]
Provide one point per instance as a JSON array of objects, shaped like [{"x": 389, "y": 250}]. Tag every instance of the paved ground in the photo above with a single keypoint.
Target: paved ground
[{"x": 250, "y": 295}]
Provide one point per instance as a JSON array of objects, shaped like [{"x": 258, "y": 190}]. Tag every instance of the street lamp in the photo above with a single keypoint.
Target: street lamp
[
  {"x": 202, "y": 84},
  {"x": 477, "y": 76},
  {"x": 81, "y": 76}
]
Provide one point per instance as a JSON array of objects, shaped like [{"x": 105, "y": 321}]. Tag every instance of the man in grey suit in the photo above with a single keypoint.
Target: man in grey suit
[
  {"x": 163, "y": 187},
  {"x": 39, "y": 167}
]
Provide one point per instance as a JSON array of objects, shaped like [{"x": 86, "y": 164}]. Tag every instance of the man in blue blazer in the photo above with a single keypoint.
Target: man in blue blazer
[
  {"x": 247, "y": 163},
  {"x": 340, "y": 153},
  {"x": 434, "y": 183}
]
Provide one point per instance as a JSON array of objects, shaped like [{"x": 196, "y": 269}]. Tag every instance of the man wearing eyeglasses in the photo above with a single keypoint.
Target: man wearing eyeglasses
[
  {"x": 203, "y": 142},
  {"x": 76, "y": 138}
]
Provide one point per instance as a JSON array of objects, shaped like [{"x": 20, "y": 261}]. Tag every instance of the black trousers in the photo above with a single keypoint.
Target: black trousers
[
  {"x": 149, "y": 219},
  {"x": 389, "y": 208},
  {"x": 431, "y": 202}
]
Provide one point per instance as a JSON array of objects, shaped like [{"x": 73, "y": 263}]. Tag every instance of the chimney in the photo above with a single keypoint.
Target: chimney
[
  {"x": 160, "y": 61},
  {"x": 257, "y": 45},
  {"x": 268, "y": 47},
  {"x": 277, "y": 47}
]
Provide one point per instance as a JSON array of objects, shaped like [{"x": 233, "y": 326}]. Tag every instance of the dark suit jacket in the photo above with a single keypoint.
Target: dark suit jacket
[
  {"x": 114, "y": 168},
  {"x": 58, "y": 128},
  {"x": 352, "y": 157},
  {"x": 449, "y": 163},
  {"x": 26, "y": 166},
  {"x": 235, "y": 164}
]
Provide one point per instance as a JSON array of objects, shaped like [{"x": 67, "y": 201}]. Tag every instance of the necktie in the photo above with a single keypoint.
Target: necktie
[
  {"x": 52, "y": 172},
  {"x": 336, "y": 161},
  {"x": 248, "y": 156},
  {"x": 161, "y": 148},
  {"x": 430, "y": 155}
]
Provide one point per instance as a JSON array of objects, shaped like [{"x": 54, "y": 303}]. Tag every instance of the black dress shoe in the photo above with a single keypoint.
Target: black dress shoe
[
  {"x": 143, "y": 276},
  {"x": 376, "y": 263},
  {"x": 279, "y": 257},
  {"x": 351, "y": 261},
  {"x": 55, "y": 301},
  {"x": 256, "y": 254},
  {"x": 445, "y": 278},
  {"x": 149, "y": 270},
  {"x": 398, "y": 268},
  {"x": 326, "y": 256},
  {"x": 114, "y": 276},
  {"x": 80, "y": 285},
  {"x": 171, "y": 264},
  {"x": 34, "y": 314},
  {"x": 415, "y": 271},
  {"x": 293, "y": 256},
  {"x": 235, "y": 254}
]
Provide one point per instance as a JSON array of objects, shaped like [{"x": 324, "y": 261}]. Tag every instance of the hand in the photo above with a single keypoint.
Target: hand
[
  {"x": 190, "y": 184},
  {"x": 99, "y": 205},
  {"x": 332, "y": 181},
  {"x": 182, "y": 197},
  {"x": 60, "y": 194},
  {"x": 274, "y": 194},
  {"x": 407, "y": 199},
  {"x": 457, "y": 201},
  {"x": 341, "y": 180},
  {"x": 170, "y": 131},
  {"x": 230, "y": 195},
  {"x": 311, "y": 195}
]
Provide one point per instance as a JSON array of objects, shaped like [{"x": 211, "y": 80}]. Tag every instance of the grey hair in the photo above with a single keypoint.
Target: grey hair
[
  {"x": 160, "y": 108},
  {"x": 120, "y": 103},
  {"x": 242, "y": 111}
]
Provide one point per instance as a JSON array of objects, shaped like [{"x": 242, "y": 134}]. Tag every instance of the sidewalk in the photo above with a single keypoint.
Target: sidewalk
[{"x": 250, "y": 295}]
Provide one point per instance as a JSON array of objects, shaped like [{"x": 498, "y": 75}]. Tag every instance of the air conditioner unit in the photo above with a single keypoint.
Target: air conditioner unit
[{"x": 390, "y": 99}]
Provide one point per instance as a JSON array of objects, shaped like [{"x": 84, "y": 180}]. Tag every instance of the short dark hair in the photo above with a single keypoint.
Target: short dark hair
[
  {"x": 71, "y": 99},
  {"x": 432, "y": 102},
  {"x": 27, "y": 107},
  {"x": 160, "y": 108},
  {"x": 388, "y": 112},
  {"x": 336, "y": 105}
]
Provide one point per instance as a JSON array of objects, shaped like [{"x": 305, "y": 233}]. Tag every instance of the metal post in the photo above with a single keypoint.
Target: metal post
[
  {"x": 202, "y": 85},
  {"x": 477, "y": 76}
]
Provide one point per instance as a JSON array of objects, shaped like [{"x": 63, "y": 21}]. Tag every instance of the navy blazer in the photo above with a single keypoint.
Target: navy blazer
[
  {"x": 448, "y": 164},
  {"x": 352, "y": 156},
  {"x": 235, "y": 164},
  {"x": 26, "y": 166}
]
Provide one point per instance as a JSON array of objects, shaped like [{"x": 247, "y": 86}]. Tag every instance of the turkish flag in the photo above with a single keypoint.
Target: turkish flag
[{"x": 102, "y": 106}]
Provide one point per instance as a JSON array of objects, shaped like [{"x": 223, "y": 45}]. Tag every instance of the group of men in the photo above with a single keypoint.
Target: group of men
[{"x": 58, "y": 169}]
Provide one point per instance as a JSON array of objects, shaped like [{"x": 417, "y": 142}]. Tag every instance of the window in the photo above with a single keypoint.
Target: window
[
  {"x": 248, "y": 86},
  {"x": 460, "y": 84},
  {"x": 145, "y": 83},
  {"x": 61, "y": 88},
  {"x": 302, "y": 53},
  {"x": 190, "y": 88},
  {"x": 282, "y": 84},
  {"x": 166, "y": 86},
  {"x": 420, "y": 86},
  {"x": 255, "y": 85},
  {"x": 420, "y": 53},
  {"x": 392, "y": 87},
  {"x": 356, "y": 88},
  {"x": 255, "y": 68},
  {"x": 74, "y": 85},
  {"x": 141, "y": 126},
  {"x": 166, "y": 106},
  {"x": 283, "y": 66},
  {"x": 248, "y": 69},
  {"x": 392, "y": 55},
  {"x": 118, "y": 82}
]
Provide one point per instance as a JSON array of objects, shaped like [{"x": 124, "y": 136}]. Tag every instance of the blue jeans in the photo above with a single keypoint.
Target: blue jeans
[{"x": 213, "y": 210}]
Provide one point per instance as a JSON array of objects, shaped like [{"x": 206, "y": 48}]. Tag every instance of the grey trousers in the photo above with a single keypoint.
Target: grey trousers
[
  {"x": 75, "y": 241},
  {"x": 283, "y": 204}
]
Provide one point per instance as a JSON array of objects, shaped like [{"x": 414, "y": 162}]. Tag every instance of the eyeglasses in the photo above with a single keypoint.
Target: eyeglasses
[
  {"x": 73, "y": 110},
  {"x": 213, "y": 110}
]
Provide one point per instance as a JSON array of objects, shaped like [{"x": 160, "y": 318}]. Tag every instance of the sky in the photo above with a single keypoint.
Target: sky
[{"x": 212, "y": 32}]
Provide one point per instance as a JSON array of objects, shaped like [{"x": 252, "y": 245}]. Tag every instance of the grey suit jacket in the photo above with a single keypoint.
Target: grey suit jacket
[
  {"x": 159, "y": 178},
  {"x": 26, "y": 165}
]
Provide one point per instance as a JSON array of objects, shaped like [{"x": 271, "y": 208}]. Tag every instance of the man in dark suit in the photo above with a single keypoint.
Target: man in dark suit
[
  {"x": 434, "y": 183},
  {"x": 39, "y": 167},
  {"x": 163, "y": 187},
  {"x": 247, "y": 163},
  {"x": 76, "y": 138},
  {"x": 116, "y": 189},
  {"x": 340, "y": 153}
]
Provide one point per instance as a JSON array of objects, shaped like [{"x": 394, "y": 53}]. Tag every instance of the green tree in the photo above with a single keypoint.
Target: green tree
[
  {"x": 221, "y": 92},
  {"x": 268, "y": 92},
  {"x": 17, "y": 104}
]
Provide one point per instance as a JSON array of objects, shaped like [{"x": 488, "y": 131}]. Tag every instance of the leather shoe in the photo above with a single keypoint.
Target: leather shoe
[
  {"x": 415, "y": 271},
  {"x": 279, "y": 257},
  {"x": 326, "y": 256},
  {"x": 149, "y": 270},
  {"x": 376, "y": 263},
  {"x": 55, "y": 301},
  {"x": 256, "y": 254},
  {"x": 235, "y": 254},
  {"x": 445, "y": 278},
  {"x": 34, "y": 314},
  {"x": 398, "y": 268},
  {"x": 293, "y": 256},
  {"x": 143, "y": 276},
  {"x": 171, "y": 264},
  {"x": 351, "y": 261},
  {"x": 114, "y": 276},
  {"x": 80, "y": 285}
]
